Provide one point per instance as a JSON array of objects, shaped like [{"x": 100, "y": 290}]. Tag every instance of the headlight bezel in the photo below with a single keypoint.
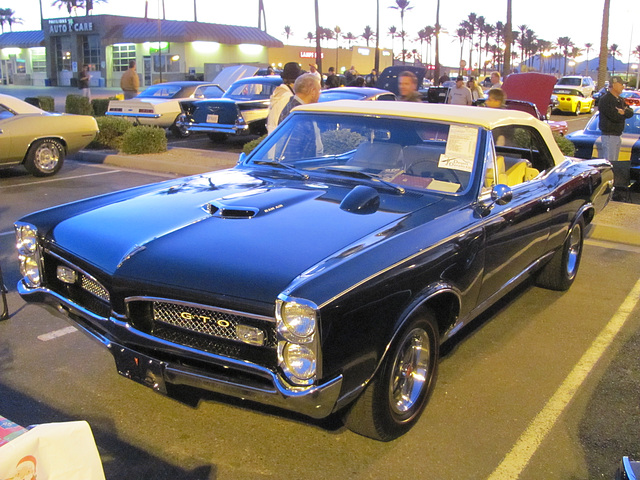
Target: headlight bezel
[
  {"x": 297, "y": 326},
  {"x": 29, "y": 257}
]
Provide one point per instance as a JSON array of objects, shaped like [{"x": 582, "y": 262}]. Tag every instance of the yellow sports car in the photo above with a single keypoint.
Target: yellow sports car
[
  {"x": 40, "y": 140},
  {"x": 572, "y": 100}
]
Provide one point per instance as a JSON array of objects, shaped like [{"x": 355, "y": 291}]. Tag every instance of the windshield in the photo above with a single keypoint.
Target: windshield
[
  {"x": 160, "y": 91},
  {"x": 408, "y": 153},
  {"x": 569, "y": 81},
  {"x": 631, "y": 125},
  {"x": 250, "y": 91}
]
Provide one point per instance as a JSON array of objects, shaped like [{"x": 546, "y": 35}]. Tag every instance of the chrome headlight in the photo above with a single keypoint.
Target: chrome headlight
[
  {"x": 28, "y": 253},
  {"x": 298, "y": 351}
]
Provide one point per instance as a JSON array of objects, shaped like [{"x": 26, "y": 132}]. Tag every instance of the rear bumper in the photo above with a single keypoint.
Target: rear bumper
[
  {"x": 214, "y": 128},
  {"x": 213, "y": 373}
]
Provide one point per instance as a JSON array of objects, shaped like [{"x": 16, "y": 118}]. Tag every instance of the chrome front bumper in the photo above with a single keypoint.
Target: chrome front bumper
[{"x": 258, "y": 384}]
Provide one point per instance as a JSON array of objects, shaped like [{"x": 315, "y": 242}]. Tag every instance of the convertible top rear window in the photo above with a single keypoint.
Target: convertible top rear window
[{"x": 410, "y": 153}]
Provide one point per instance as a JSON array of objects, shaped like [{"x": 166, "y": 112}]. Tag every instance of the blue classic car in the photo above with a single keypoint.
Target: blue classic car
[
  {"x": 588, "y": 141},
  {"x": 324, "y": 271},
  {"x": 242, "y": 110}
]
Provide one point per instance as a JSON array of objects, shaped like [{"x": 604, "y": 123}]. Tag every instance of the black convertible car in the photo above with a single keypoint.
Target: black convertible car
[{"x": 324, "y": 271}]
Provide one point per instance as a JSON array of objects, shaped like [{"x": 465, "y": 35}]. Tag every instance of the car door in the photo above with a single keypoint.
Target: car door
[{"x": 517, "y": 232}]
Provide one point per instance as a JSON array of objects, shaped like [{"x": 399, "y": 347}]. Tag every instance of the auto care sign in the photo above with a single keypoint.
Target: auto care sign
[{"x": 52, "y": 451}]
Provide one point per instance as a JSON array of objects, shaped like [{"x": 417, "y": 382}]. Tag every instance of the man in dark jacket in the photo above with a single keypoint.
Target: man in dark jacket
[{"x": 613, "y": 113}]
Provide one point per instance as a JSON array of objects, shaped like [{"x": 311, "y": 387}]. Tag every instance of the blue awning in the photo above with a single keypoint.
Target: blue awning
[{"x": 26, "y": 39}]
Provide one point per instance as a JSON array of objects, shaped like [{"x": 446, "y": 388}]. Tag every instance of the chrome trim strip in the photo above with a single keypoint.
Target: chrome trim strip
[
  {"x": 200, "y": 305},
  {"x": 317, "y": 401},
  {"x": 133, "y": 115}
]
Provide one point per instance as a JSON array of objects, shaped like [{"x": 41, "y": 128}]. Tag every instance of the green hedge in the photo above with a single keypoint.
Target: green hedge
[
  {"x": 144, "y": 139},
  {"x": 78, "y": 104},
  {"x": 47, "y": 103},
  {"x": 249, "y": 146},
  {"x": 566, "y": 146},
  {"x": 111, "y": 131},
  {"x": 100, "y": 106}
]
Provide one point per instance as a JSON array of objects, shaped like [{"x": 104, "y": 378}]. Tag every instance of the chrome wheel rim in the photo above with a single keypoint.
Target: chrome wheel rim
[
  {"x": 47, "y": 157},
  {"x": 410, "y": 372},
  {"x": 573, "y": 251}
]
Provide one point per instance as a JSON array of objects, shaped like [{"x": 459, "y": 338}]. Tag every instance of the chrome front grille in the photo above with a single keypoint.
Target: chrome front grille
[
  {"x": 94, "y": 287},
  {"x": 213, "y": 322}
]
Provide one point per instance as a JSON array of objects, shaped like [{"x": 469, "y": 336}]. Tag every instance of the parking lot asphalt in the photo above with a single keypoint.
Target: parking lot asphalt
[{"x": 619, "y": 222}]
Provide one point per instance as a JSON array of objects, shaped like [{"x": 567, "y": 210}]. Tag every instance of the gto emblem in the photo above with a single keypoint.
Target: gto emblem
[{"x": 204, "y": 319}]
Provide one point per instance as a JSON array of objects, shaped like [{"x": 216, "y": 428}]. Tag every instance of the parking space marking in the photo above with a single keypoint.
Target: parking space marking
[
  {"x": 45, "y": 337},
  {"x": 10, "y": 232},
  {"x": 517, "y": 459},
  {"x": 59, "y": 179}
]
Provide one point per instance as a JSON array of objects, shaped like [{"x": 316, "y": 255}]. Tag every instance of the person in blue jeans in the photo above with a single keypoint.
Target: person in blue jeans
[{"x": 613, "y": 114}]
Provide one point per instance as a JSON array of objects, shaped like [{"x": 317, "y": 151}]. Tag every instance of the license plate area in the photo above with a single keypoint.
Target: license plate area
[
  {"x": 211, "y": 118},
  {"x": 140, "y": 368}
]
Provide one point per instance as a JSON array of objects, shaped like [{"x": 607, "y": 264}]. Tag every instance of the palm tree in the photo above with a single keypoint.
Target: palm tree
[
  {"x": 311, "y": 37},
  {"x": 471, "y": 28},
  {"x": 350, "y": 37},
  {"x": 480, "y": 21},
  {"x": 564, "y": 43},
  {"x": 393, "y": 31},
  {"x": 604, "y": 37},
  {"x": 73, "y": 5},
  {"x": 588, "y": 47},
  {"x": 488, "y": 31},
  {"x": 461, "y": 34},
  {"x": 613, "y": 50},
  {"x": 402, "y": 5},
  {"x": 636, "y": 53},
  {"x": 261, "y": 14},
  {"x": 508, "y": 40},
  {"x": 367, "y": 34},
  {"x": 287, "y": 32},
  {"x": 522, "y": 40},
  {"x": 436, "y": 71},
  {"x": 318, "y": 35},
  {"x": 376, "y": 61},
  {"x": 337, "y": 31},
  {"x": 422, "y": 36}
]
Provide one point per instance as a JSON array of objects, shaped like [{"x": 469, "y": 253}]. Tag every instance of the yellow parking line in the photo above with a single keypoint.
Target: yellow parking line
[{"x": 517, "y": 459}]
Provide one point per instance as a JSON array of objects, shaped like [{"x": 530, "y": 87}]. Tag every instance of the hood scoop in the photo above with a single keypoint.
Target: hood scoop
[
  {"x": 362, "y": 200},
  {"x": 217, "y": 209}
]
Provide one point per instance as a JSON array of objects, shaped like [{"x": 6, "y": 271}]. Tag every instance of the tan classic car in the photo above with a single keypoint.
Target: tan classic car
[{"x": 40, "y": 140}]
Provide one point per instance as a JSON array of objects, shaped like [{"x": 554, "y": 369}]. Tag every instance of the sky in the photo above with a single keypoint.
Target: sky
[{"x": 580, "y": 20}]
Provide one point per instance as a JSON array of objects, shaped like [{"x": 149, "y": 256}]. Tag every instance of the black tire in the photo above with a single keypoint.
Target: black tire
[
  {"x": 218, "y": 137},
  {"x": 562, "y": 269},
  {"x": 179, "y": 131},
  {"x": 396, "y": 397},
  {"x": 578, "y": 108},
  {"x": 44, "y": 158}
]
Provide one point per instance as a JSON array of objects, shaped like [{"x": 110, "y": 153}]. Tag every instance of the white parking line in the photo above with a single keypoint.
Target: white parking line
[
  {"x": 59, "y": 179},
  {"x": 517, "y": 459},
  {"x": 45, "y": 337}
]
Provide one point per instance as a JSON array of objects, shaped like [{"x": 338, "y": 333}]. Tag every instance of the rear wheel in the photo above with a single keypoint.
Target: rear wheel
[
  {"x": 179, "y": 130},
  {"x": 44, "y": 158},
  {"x": 394, "y": 400},
  {"x": 561, "y": 271},
  {"x": 578, "y": 108}
]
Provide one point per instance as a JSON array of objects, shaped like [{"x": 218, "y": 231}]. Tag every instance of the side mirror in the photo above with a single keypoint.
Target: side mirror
[
  {"x": 501, "y": 194},
  {"x": 241, "y": 158}
]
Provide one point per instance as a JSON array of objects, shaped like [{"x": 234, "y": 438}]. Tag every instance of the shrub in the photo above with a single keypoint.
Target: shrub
[
  {"x": 100, "y": 106},
  {"x": 336, "y": 142},
  {"x": 566, "y": 146},
  {"x": 78, "y": 104},
  {"x": 250, "y": 146},
  {"x": 47, "y": 103},
  {"x": 144, "y": 139},
  {"x": 110, "y": 134}
]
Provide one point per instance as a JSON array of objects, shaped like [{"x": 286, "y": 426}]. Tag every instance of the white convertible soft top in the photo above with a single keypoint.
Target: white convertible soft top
[{"x": 489, "y": 118}]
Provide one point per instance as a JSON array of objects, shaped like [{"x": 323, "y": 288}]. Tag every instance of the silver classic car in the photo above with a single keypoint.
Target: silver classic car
[{"x": 323, "y": 273}]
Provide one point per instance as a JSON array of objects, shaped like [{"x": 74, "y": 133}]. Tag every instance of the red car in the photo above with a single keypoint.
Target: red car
[{"x": 632, "y": 97}]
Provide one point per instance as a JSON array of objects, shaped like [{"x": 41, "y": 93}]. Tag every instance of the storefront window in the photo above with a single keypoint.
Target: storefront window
[
  {"x": 122, "y": 53},
  {"x": 63, "y": 53},
  {"x": 39, "y": 59},
  {"x": 168, "y": 63},
  {"x": 91, "y": 51}
]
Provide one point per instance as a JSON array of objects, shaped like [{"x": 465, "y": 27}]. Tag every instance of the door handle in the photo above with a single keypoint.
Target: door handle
[{"x": 548, "y": 201}]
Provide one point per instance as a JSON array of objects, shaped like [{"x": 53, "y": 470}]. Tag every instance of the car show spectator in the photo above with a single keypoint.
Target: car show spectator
[
  {"x": 613, "y": 113},
  {"x": 495, "y": 80},
  {"x": 332, "y": 80},
  {"x": 460, "y": 94},
  {"x": 130, "y": 83},
  {"x": 496, "y": 98},
  {"x": 372, "y": 78},
  {"x": 313, "y": 69},
  {"x": 306, "y": 90},
  {"x": 282, "y": 94},
  {"x": 83, "y": 82},
  {"x": 408, "y": 87},
  {"x": 476, "y": 90}
]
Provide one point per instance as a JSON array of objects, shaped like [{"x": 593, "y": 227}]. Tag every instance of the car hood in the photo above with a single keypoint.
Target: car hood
[
  {"x": 530, "y": 87},
  {"x": 228, "y": 75},
  {"x": 228, "y": 233}
]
